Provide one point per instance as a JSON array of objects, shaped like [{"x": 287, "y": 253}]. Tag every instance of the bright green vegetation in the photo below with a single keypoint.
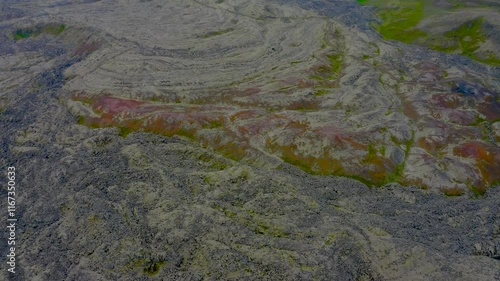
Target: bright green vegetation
[
  {"x": 325, "y": 74},
  {"x": 124, "y": 131},
  {"x": 150, "y": 267},
  {"x": 81, "y": 120},
  {"x": 399, "y": 170},
  {"x": 330, "y": 239},
  {"x": 36, "y": 31},
  {"x": 465, "y": 39},
  {"x": 21, "y": 34},
  {"x": 53, "y": 29},
  {"x": 400, "y": 19},
  {"x": 215, "y": 124},
  {"x": 321, "y": 92},
  {"x": 335, "y": 62},
  {"x": 399, "y": 24}
]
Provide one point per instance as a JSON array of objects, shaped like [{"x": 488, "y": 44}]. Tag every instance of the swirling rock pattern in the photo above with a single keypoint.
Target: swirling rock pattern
[{"x": 321, "y": 95}]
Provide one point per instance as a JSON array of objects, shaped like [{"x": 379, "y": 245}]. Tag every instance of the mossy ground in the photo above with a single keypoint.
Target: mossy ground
[
  {"x": 52, "y": 29},
  {"x": 149, "y": 267},
  {"x": 400, "y": 20}
]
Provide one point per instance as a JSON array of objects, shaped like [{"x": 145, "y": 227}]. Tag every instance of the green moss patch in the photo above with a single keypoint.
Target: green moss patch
[
  {"x": 465, "y": 40},
  {"x": 153, "y": 268},
  {"x": 52, "y": 29},
  {"x": 400, "y": 20}
]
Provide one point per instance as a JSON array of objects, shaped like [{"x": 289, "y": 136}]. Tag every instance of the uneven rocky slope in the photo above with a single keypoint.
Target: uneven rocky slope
[{"x": 191, "y": 140}]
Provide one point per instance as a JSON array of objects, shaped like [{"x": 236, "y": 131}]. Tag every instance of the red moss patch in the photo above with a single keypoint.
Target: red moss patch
[
  {"x": 409, "y": 111},
  {"x": 491, "y": 110},
  {"x": 115, "y": 105},
  {"x": 446, "y": 100},
  {"x": 487, "y": 160}
]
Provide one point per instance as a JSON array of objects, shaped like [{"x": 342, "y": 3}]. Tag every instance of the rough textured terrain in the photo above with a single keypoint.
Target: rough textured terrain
[{"x": 252, "y": 140}]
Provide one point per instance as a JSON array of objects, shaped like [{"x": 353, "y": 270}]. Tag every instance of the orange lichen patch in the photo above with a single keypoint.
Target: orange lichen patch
[
  {"x": 491, "y": 171},
  {"x": 454, "y": 191},
  {"x": 487, "y": 158},
  {"x": 476, "y": 150}
]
